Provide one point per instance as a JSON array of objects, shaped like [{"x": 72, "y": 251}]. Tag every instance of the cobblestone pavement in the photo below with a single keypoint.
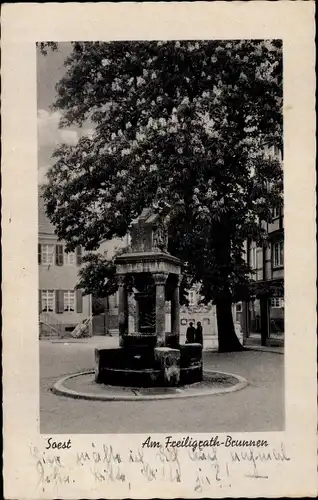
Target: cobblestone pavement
[{"x": 258, "y": 407}]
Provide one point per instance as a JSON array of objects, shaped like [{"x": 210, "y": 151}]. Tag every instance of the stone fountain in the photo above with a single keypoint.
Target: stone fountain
[{"x": 150, "y": 356}]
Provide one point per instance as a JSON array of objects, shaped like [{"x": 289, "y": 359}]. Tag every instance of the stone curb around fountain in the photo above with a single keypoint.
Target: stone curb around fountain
[{"x": 181, "y": 392}]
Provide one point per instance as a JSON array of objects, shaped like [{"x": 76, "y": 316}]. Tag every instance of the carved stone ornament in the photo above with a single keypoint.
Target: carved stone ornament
[
  {"x": 160, "y": 239},
  {"x": 178, "y": 280},
  {"x": 121, "y": 279},
  {"x": 160, "y": 278}
]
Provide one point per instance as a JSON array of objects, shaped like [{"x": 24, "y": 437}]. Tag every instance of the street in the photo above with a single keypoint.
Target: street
[{"x": 258, "y": 407}]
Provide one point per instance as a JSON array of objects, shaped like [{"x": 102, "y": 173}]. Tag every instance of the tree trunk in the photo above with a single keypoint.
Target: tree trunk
[{"x": 228, "y": 341}]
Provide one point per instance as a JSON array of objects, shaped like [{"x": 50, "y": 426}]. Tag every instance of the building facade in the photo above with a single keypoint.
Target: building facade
[
  {"x": 262, "y": 319},
  {"x": 61, "y": 306}
]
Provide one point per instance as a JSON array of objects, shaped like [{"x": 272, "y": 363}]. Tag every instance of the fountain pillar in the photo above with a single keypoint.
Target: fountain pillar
[
  {"x": 160, "y": 282},
  {"x": 122, "y": 309},
  {"x": 175, "y": 311},
  {"x": 136, "y": 315}
]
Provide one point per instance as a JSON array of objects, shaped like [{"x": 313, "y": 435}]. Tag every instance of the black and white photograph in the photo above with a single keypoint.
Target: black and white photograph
[
  {"x": 159, "y": 250},
  {"x": 161, "y": 236}
]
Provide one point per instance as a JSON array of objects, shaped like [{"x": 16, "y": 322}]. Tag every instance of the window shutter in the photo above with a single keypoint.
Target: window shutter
[
  {"x": 78, "y": 256},
  {"x": 281, "y": 252},
  {"x": 39, "y": 253},
  {"x": 79, "y": 301},
  {"x": 59, "y": 301},
  {"x": 40, "y": 301},
  {"x": 59, "y": 255}
]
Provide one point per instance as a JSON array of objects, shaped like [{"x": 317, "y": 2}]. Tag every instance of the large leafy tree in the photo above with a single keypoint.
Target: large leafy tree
[{"x": 183, "y": 127}]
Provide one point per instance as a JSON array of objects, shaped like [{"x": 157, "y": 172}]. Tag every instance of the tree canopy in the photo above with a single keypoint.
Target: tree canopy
[{"x": 180, "y": 126}]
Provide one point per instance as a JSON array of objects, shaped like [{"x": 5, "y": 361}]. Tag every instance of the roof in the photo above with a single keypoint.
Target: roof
[{"x": 45, "y": 226}]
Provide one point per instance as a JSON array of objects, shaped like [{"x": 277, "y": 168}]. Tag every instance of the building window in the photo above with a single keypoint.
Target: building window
[
  {"x": 79, "y": 256},
  {"x": 278, "y": 253},
  {"x": 277, "y": 302},
  {"x": 69, "y": 258},
  {"x": 47, "y": 300},
  {"x": 276, "y": 151},
  {"x": 69, "y": 300},
  {"x": 191, "y": 298},
  {"x": 47, "y": 254},
  {"x": 253, "y": 258},
  {"x": 116, "y": 298},
  {"x": 276, "y": 212},
  {"x": 239, "y": 307}
]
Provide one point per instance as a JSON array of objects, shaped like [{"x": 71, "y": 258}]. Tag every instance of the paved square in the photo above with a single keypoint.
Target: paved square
[{"x": 258, "y": 407}]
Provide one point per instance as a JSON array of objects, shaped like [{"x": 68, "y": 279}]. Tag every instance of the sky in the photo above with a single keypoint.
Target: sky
[{"x": 50, "y": 69}]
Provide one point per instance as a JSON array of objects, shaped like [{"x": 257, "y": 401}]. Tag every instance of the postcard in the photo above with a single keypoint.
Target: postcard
[{"x": 159, "y": 250}]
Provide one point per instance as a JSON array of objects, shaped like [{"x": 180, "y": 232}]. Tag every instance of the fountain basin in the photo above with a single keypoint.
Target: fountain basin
[
  {"x": 139, "y": 341},
  {"x": 143, "y": 366}
]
